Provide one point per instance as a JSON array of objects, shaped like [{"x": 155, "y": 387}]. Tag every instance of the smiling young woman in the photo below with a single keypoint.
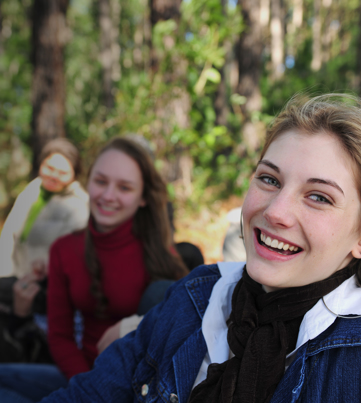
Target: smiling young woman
[
  {"x": 103, "y": 270},
  {"x": 285, "y": 326}
]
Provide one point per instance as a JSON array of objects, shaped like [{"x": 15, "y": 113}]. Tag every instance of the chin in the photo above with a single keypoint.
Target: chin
[{"x": 261, "y": 274}]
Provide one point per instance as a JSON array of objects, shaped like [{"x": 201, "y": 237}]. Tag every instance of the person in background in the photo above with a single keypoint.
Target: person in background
[
  {"x": 103, "y": 270},
  {"x": 233, "y": 247},
  {"x": 52, "y": 205},
  {"x": 191, "y": 254},
  {"x": 285, "y": 326}
]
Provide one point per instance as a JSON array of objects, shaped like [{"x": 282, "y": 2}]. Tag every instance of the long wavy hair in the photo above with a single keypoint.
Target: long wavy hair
[
  {"x": 336, "y": 114},
  {"x": 150, "y": 225}
]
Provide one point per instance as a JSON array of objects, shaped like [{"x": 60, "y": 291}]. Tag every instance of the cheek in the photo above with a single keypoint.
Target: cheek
[{"x": 252, "y": 204}]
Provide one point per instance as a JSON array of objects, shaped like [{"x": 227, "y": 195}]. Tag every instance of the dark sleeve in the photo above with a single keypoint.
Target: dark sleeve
[{"x": 111, "y": 378}]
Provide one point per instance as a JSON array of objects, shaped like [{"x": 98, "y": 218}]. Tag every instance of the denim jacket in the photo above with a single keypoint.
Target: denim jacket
[{"x": 160, "y": 360}]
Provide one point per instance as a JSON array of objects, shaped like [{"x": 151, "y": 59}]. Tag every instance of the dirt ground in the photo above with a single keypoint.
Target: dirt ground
[{"x": 207, "y": 228}]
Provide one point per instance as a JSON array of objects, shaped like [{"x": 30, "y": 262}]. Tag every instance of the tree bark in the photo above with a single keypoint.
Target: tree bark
[
  {"x": 162, "y": 10},
  {"x": 358, "y": 54},
  {"x": 264, "y": 13},
  {"x": 49, "y": 35},
  {"x": 220, "y": 103},
  {"x": 316, "y": 37},
  {"x": 109, "y": 15},
  {"x": 249, "y": 53},
  {"x": 277, "y": 39}
]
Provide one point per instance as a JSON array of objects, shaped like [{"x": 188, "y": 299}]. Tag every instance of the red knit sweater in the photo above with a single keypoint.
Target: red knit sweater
[{"x": 124, "y": 281}]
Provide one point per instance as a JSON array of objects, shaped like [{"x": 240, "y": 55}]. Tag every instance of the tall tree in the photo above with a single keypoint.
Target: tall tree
[
  {"x": 277, "y": 39},
  {"x": 162, "y": 10},
  {"x": 221, "y": 102},
  {"x": 316, "y": 36},
  {"x": 249, "y": 52},
  {"x": 109, "y": 15},
  {"x": 49, "y": 35}
]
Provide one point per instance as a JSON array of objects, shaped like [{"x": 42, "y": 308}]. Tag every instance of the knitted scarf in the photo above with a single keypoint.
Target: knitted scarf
[{"x": 262, "y": 330}]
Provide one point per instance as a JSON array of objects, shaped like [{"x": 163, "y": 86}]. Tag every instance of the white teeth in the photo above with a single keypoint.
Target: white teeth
[
  {"x": 275, "y": 243},
  {"x": 106, "y": 208}
]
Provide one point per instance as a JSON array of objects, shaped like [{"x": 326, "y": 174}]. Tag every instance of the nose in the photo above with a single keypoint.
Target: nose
[
  {"x": 109, "y": 192},
  {"x": 281, "y": 211}
]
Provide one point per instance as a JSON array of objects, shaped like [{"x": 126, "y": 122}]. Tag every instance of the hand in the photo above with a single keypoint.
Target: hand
[
  {"x": 39, "y": 269},
  {"x": 24, "y": 291},
  {"x": 111, "y": 334}
]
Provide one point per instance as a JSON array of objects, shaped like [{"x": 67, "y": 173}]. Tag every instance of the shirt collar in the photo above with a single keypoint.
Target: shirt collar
[{"x": 344, "y": 300}]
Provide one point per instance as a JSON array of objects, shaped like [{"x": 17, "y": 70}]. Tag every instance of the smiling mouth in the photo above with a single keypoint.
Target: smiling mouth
[{"x": 276, "y": 245}]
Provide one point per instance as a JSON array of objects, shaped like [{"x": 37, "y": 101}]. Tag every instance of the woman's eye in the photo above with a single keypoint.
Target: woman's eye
[
  {"x": 99, "y": 181},
  {"x": 319, "y": 199},
  {"x": 124, "y": 189},
  {"x": 269, "y": 180}
]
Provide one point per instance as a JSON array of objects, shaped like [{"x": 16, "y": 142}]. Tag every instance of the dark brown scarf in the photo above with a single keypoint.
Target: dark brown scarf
[{"x": 262, "y": 330}]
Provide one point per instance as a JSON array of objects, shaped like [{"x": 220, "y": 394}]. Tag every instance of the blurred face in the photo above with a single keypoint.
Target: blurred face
[
  {"x": 56, "y": 173},
  {"x": 115, "y": 190},
  {"x": 301, "y": 212}
]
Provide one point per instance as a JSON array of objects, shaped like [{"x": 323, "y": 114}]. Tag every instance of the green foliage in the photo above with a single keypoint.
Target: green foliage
[{"x": 172, "y": 106}]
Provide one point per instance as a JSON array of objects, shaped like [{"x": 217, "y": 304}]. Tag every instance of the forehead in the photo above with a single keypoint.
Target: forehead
[
  {"x": 118, "y": 165},
  {"x": 314, "y": 155},
  {"x": 58, "y": 161}
]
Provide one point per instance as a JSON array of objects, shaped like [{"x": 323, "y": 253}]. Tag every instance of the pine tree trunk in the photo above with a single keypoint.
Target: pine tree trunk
[
  {"x": 162, "y": 10},
  {"x": 220, "y": 103},
  {"x": 49, "y": 36},
  {"x": 249, "y": 53},
  {"x": 316, "y": 37},
  {"x": 109, "y": 14},
  {"x": 358, "y": 54},
  {"x": 277, "y": 39}
]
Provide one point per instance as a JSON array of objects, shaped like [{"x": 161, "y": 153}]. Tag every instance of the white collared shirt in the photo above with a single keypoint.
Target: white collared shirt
[{"x": 345, "y": 300}]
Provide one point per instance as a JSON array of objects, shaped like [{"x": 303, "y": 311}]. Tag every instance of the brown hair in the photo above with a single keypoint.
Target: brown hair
[
  {"x": 336, "y": 114},
  {"x": 151, "y": 225},
  {"x": 64, "y": 147}
]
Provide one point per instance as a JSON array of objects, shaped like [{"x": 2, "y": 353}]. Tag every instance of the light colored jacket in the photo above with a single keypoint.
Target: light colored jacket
[{"x": 62, "y": 215}]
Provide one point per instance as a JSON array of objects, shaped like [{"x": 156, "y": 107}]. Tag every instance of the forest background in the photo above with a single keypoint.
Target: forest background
[{"x": 200, "y": 79}]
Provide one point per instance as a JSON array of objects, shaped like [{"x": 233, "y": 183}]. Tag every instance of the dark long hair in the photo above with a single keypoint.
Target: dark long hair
[{"x": 151, "y": 225}]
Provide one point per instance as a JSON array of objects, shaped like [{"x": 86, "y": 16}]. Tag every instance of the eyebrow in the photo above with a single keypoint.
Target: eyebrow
[
  {"x": 311, "y": 180},
  {"x": 121, "y": 180},
  {"x": 326, "y": 182},
  {"x": 269, "y": 164}
]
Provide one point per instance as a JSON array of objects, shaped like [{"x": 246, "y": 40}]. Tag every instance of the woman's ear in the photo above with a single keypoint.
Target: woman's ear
[
  {"x": 356, "y": 251},
  {"x": 142, "y": 203}
]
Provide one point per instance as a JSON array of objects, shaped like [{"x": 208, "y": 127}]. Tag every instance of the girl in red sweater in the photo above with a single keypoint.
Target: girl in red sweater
[{"x": 103, "y": 270}]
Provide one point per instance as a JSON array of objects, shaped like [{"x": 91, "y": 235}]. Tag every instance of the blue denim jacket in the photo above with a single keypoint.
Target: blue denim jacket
[{"x": 161, "y": 359}]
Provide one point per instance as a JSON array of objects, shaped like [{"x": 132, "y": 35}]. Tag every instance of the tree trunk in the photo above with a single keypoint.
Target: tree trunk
[
  {"x": 249, "y": 53},
  {"x": 358, "y": 54},
  {"x": 277, "y": 39},
  {"x": 162, "y": 10},
  {"x": 220, "y": 103},
  {"x": 264, "y": 13},
  {"x": 328, "y": 34},
  {"x": 109, "y": 15},
  {"x": 49, "y": 35},
  {"x": 297, "y": 16},
  {"x": 316, "y": 37}
]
